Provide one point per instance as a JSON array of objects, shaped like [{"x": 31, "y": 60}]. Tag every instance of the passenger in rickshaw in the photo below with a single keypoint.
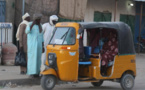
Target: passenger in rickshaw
[{"x": 108, "y": 52}]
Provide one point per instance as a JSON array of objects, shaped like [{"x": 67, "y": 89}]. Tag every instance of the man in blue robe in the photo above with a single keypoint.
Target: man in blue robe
[{"x": 34, "y": 45}]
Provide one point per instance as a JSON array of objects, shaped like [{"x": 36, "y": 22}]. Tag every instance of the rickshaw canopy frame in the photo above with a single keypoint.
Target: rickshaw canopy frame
[{"x": 125, "y": 38}]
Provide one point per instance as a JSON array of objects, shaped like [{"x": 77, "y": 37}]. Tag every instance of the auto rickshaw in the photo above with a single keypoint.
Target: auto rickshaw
[{"x": 70, "y": 60}]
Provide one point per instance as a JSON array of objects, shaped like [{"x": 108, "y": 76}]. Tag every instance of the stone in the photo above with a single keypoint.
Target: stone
[{"x": 8, "y": 54}]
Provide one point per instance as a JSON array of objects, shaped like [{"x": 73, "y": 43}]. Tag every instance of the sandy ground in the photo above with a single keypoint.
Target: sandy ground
[{"x": 139, "y": 81}]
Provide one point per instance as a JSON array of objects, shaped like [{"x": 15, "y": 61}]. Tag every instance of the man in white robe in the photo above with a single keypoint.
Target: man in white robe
[{"x": 48, "y": 31}]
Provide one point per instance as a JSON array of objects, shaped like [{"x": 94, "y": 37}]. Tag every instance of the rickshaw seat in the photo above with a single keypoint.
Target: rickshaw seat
[{"x": 85, "y": 63}]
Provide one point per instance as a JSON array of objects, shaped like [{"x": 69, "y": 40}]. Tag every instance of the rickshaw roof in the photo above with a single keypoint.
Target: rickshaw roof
[
  {"x": 125, "y": 38},
  {"x": 112, "y": 25}
]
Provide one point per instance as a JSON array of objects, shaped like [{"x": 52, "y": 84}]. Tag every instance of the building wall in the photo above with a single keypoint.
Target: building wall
[
  {"x": 10, "y": 11},
  {"x": 18, "y": 12},
  {"x": 46, "y": 7},
  {"x": 108, "y": 6},
  {"x": 9, "y": 17}
]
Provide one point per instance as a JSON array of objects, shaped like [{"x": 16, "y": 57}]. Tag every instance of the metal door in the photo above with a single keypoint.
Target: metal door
[{"x": 2, "y": 10}]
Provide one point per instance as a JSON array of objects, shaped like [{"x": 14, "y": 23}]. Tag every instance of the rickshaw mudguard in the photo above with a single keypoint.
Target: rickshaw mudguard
[{"x": 49, "y": 71}]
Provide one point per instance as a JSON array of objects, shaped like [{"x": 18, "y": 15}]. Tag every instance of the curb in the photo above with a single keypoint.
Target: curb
[{"x": 27, "y": 81}]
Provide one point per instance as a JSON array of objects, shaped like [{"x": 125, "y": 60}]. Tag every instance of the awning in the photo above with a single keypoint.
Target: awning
[{"x": 72, "y": 9}]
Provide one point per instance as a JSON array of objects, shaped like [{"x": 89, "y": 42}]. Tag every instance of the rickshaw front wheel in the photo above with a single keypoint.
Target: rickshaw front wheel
[
  {"x": 127, "y": 82},
  {"x": 97, "y": 84},
  {"x": 48, "y": 82}
]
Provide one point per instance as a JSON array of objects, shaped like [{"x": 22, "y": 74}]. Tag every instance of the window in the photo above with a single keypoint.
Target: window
[
  {"x": 63, "y": 36},
  {"x": 130, "y": 20},
  {"x": 102, "y": 16}
]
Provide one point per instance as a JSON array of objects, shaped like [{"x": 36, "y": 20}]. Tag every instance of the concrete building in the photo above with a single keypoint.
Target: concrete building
[
  {"x": 46, "y": 7},
  {"x": 75, "y": 10},
  {"x": 103, "y": 10},
  {"x": 122, "y": 7},
  {"x": 7, "y": 14},
  {"x": 7, "y": 10}
]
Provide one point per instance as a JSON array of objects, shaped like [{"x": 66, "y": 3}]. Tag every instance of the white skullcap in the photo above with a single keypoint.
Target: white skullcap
[
  {"x": 25, "y": 16},
  {"x": 53, "y": 18},
  {"x": 37, "y": 16}
]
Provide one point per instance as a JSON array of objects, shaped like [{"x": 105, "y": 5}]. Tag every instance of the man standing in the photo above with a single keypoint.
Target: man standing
[
  {"x": 48, "y": 30},
  {"x": 22, "y": 38},
  {"x": 35, "y": 45}
]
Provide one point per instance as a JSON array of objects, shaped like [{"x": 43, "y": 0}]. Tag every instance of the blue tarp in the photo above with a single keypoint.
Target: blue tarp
[
  {"x": 137, "y": 21},
  {"x": 2, "y": 10}
]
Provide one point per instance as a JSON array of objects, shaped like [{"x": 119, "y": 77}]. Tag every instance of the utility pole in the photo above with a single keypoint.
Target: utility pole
[
  {"x": 115, "y": 11},
  {"x": 140, "y": 25},
  {"x": 23, "y": 7}
]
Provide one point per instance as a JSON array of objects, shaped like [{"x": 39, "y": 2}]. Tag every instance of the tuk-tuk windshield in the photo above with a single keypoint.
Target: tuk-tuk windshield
[{"x": 63, "y": 36}]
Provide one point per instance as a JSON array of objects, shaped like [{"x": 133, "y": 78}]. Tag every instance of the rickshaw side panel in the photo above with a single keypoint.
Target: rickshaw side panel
[
  {"x": 125, "y": 63},
  {"x": 122, "y": 64}
]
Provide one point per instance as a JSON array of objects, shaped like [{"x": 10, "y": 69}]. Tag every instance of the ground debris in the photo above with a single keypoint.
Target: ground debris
[
  {"x": 73, "y": 85},
  {"x": 10, "y": 85}
]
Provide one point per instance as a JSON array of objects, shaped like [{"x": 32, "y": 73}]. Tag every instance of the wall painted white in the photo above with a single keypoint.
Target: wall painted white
[{"x": 123, "y": 7}]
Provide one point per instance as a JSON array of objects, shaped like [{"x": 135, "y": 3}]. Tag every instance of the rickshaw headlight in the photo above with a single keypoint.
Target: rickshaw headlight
[{"x": 51, "y": 59}]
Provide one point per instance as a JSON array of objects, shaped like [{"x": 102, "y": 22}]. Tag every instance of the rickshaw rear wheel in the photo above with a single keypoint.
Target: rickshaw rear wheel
[
  {"x": 48, "y": 82},
  {"x": 97, "y": 84},
  {"x": 127, "y": 82}
]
